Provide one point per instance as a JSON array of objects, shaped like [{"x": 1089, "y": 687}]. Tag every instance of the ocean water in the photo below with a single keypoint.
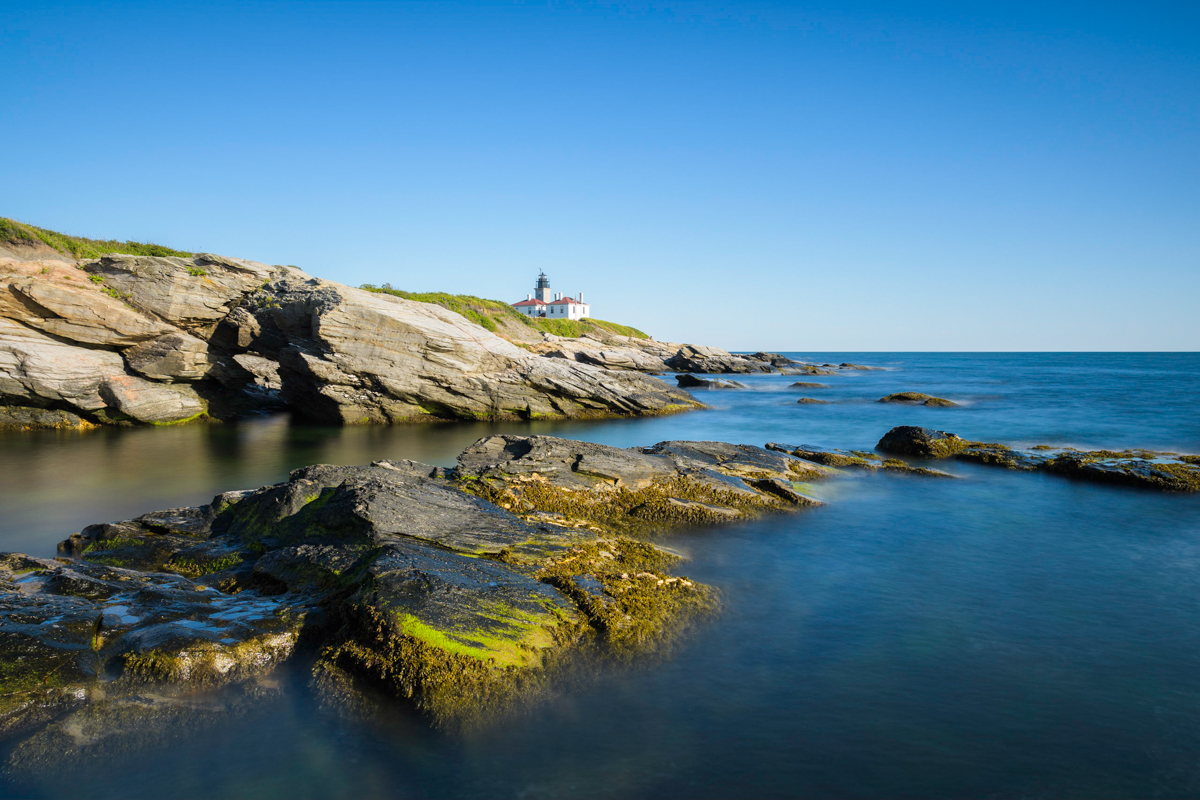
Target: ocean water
[{"x": 1003, "y": 634}]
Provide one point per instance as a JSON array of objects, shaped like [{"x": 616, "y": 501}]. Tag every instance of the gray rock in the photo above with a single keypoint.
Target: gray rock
[
  {"x": 696, "y": 358},
  {"x": 218, "y": 333},
  {"x": 78, "y": 312},
  {"x": 774, "y": 359},
  {"x": 193, "y": 294},
  {"x": 692, "y": 382},
  {"x": 174, "y": 357}
]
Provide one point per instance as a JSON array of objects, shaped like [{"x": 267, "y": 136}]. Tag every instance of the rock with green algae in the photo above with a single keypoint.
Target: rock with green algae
[
  {"x": 859, "y": 459},
  {"x": 74, "y": 633},
  {"x": 1140, "y": 468},
  {"x": 461, "y": 591},
  {"x": 918, "y": 397}
]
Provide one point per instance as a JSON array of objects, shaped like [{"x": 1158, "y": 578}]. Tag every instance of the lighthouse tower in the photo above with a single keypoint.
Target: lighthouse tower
[{"x": 543, "y": 289}]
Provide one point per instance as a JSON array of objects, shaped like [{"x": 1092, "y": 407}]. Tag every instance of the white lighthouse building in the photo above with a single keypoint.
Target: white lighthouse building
[{"x": 545, "y": 303}]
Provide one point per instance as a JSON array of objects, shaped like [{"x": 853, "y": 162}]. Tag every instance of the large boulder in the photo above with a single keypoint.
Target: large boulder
[
  {"x": 909, "y": 440},
  {"x": 350, "y": 356}
]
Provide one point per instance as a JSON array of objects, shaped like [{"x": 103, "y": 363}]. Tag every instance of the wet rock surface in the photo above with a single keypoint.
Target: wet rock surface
[
  {"x": 686, "y": 381},
  {"x": 459, "y": 591},
  {"x": 856, "y": 459},
  {"x": 1140, "y": 468}
]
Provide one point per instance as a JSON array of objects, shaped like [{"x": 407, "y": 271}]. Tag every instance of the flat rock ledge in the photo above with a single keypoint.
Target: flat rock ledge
[
  {"x": 459, "y": 592},
  {"x": 1145, "y": 469}
]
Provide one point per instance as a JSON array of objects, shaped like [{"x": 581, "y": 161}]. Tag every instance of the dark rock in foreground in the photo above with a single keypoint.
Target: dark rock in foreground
[
  {"x": 1142, "y": 468},
  {"x": 460, "y": 591}
]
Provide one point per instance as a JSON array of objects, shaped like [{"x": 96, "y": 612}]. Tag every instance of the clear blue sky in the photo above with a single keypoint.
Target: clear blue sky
[{"x": 905, "y": 176}]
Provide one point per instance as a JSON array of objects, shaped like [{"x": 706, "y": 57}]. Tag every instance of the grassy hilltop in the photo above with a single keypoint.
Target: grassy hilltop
[
  {"x": 499, "y": 317},
  {"x": 28, "y": 236},
  {"x": 494, "y": 315}
]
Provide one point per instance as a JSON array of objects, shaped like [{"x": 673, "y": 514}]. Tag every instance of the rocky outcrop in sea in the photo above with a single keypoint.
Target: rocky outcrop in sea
[
  {"x": 458, "y": 592},
  {"x": 139, "y": 339}
]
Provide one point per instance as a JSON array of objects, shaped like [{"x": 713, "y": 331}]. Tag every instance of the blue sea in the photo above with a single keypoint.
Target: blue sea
[{"x": 1001, "y": 635}]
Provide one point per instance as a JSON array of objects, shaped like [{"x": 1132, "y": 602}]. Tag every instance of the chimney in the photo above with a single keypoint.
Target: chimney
[
  {"x": 528, "y": 297},
  {"x": 581, "y": 297}
]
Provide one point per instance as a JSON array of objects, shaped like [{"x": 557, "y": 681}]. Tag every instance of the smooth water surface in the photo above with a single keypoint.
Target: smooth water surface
[{"x": 1003, "y": 634}]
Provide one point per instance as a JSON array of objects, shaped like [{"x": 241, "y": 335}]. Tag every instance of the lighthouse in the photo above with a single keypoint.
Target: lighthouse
[
  {"x": 545, "y": 303},
  {"x": 543, "y": 288}
]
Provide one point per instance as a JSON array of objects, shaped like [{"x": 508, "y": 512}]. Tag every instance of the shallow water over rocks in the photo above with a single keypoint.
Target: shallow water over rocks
[{"x": 1002, "y": 634}]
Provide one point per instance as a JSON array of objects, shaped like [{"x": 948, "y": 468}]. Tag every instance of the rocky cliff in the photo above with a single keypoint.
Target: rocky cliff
[{"x": 145, "y": 339}]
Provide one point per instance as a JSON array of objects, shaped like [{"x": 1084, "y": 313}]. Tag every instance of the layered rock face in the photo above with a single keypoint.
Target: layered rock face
[
  {"x": 460, "y": 591},
  {"x": 161, "y": 340}
]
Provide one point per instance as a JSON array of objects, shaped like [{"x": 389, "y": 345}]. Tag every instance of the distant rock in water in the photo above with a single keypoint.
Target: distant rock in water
[
  {"x": 692, "y": 382},
  {"x": 774, "y": 359},
  {"x": 710, "y": 360},
  {"x": 806, "y": 385},
  {"x": 859, "y": 459},
  {"x": 812, "y": 401},
  {"x": 143, "y": 339},
  {"x": 807, "y": 369},
  {"x": 848, "y": 365},
  {"x": 457, "y": 591},
  {"x": 917, "y": 397},
  {"x": 1142, "y": 468}
]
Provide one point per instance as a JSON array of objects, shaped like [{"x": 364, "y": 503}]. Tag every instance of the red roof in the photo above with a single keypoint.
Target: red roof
[{"x": 569, "y": 300}]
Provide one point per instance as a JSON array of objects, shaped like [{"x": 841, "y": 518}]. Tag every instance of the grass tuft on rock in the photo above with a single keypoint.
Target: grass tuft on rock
[{"x": 18, "y": 233}]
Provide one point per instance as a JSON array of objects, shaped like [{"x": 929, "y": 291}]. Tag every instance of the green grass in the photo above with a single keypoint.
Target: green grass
[
  {"x": 488, "y": 313},
  {"x": 13, "y": 232}
]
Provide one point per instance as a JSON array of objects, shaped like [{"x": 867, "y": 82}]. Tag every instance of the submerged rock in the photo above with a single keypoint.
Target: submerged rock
[
  {"x": 807, "y": 369},
  {"x": 692, "y": 382},
  {"x": 807, "y": 385},
  {"x": 812, "y": 401},
  {"x": 1142, "y": 468},
  {"x": 917, "y": 397},
  {"x": 859, "y": 459},
  {"x": 460, "y": 591}
]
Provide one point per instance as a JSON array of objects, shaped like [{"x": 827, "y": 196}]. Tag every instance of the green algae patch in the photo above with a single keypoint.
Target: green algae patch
[
  {"x": 194, "y": 567},
  {"x": 440, "y": 676},
  {"x": 513, "y": 639},
  {"x": 205, "y": 664},
  {"x": 622, "y": 586},
  {"x": 673, "y": 502}
]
